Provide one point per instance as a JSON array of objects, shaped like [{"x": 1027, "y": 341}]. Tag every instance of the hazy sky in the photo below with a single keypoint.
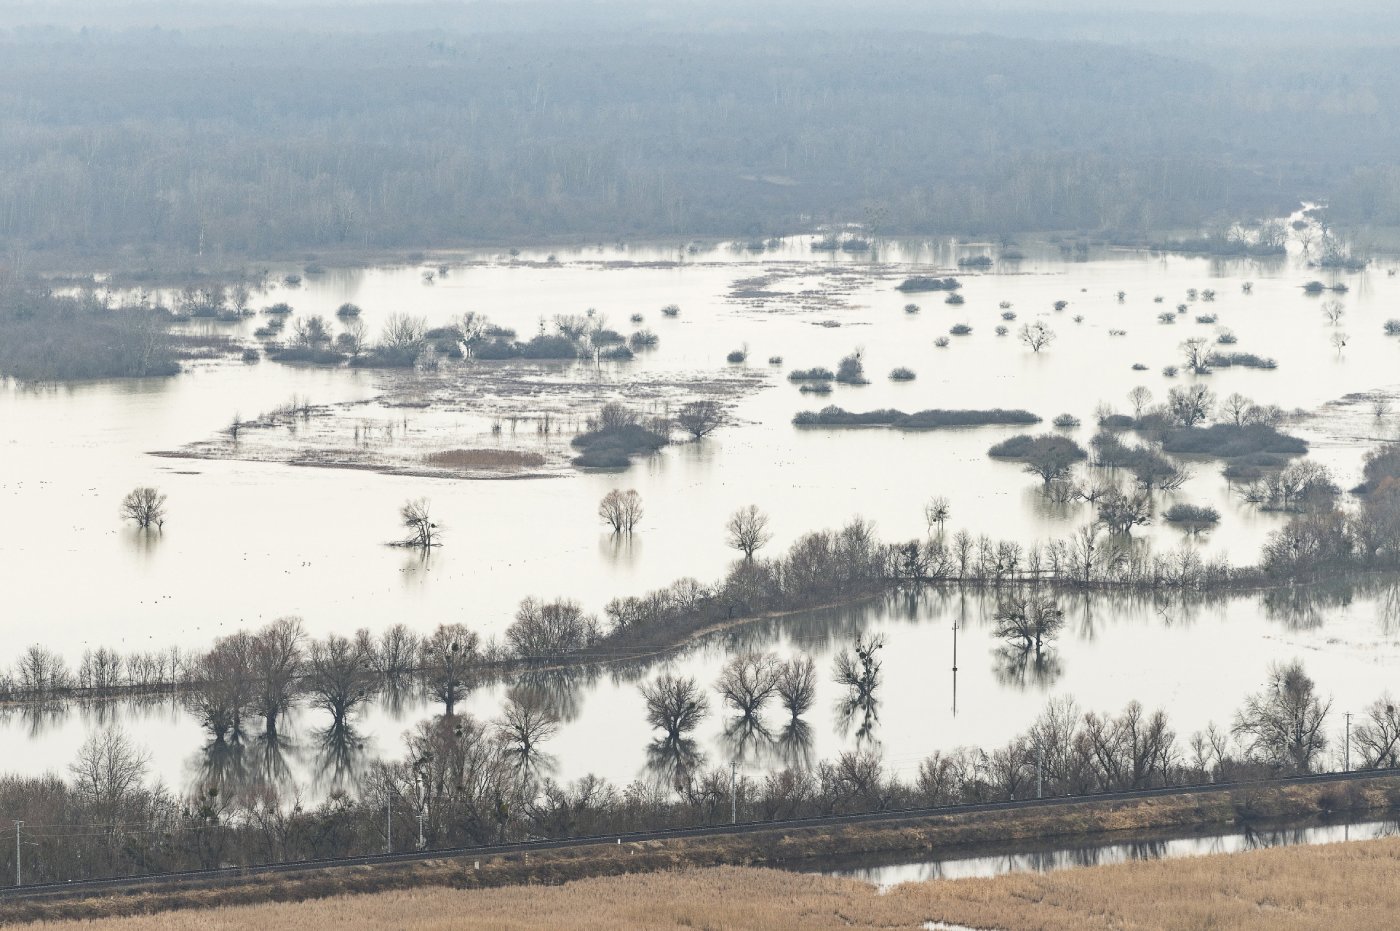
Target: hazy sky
[{"x": 1231, "y": 21}]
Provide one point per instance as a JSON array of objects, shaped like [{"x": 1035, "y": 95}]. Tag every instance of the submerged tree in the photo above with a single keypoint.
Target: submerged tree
[
  {"x": 700, "y": 418},
  {"x": 277, "y": 666},
  {"x": 145, "y": 506},
  {"x": 936, "y": 513},
  {"x": 446, "y": 659},
  {"x": 1121, "y": 512},
  {"x": 1189, "y": 405},
  {"x": 525, "y": 723},
  {"x": 340, "y": 675},
  {"x": 797, "y": 685},
  {"x": 422, "y": 531},
  {"x": 748, "y": 681},
  {"x": 621, "y": 510},
  {"x": 1196, "y": 351},
  {"x": 675, "y": 705},
  {"x": 1028, "y": 622},
  {"x": 747, "y": 530},
  {"x": 858, "y": 667},
  {"x": 1036, "y": 335}
]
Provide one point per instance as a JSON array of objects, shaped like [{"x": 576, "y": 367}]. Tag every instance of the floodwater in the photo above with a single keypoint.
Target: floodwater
[
  {"x": 250, "y": 538},
  {"x": 892, "y": 874}
]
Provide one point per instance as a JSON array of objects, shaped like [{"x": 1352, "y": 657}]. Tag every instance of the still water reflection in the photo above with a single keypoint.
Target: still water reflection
[
  {"x": 890, "y": 874},
  {"x": 1197, "y": 660}
]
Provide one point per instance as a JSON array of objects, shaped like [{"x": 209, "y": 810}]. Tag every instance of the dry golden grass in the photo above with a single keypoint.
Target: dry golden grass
[
  {"x": 1336, "y": 887},
  {"x": 484, "y": 459}
]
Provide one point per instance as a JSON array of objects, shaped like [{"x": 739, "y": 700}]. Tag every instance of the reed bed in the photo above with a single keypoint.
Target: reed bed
[{"x": 484, "y": 459}]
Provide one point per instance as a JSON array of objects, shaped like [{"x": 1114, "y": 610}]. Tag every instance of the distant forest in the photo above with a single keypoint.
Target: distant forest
[{"x": 234, "y": 143}]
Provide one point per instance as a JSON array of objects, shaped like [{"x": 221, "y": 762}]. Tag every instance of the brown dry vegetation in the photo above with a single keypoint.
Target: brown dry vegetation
[
  {"x": 1337, "y": 886},
  {"x": 1087, "y": 822},
  {"x": 484, "y": 459}
]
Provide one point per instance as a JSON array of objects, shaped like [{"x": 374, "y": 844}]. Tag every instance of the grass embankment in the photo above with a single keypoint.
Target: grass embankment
[
  {"x": 1336, "y": 886},
  {"x": 1087, "y": 822}
]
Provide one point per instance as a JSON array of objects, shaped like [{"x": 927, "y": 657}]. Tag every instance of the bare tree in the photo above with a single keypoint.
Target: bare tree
[
  {"x": 422, "y": 531},
  {"x": 1196, "y": 352},
  {"x": 276, "y": 666},
  {"x": 221, "y": 686},
  {"x": 145, "y": 506},
  {"x": 1028, "y": 622},
  {"x": 797, "y": 685},
  {"x": 402, "y": 339},
  {"x": 446, "y": 659},
  {"x": 545, "y": 630},
  {"x": 525, "y": 723},
  {"x": 1235, "y": 408},
  {"x": 1036, "y": 335},
  {"x": 858, "y": 667},
  {"x": 1139, "y": 398},
  {"x": 748, "y": 681},
  {"x": 1339, "y": 340},
  {"x": 621, "y": 510},
  {"x": 1051, "y": 457},
  {"x": 1120, "y": 512},
  {"x": 700, "y": 418},
  {"x": 340, "y": 675},
  {"x": 1380, "y": 405},
  {"x": 675, "y": 705},
  {"x": 1190, "y": 404},
  {"x": 109, "y": 768},
  {"x": 1284, "y": 724},
  {"x": 1377, "y": 737},
  {"x": 353, "y": 337},
  {"x": 747, "y": 530},
  {"x": 936, "y": 512},
  {"x": 1334, "y": 311}
]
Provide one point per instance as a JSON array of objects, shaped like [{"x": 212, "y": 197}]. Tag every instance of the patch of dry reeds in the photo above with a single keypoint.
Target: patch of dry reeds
[{"x": 484, "y": 459}]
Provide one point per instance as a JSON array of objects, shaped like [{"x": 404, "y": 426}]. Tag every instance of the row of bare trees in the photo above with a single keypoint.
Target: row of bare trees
[{"x": 475, "y": 781}]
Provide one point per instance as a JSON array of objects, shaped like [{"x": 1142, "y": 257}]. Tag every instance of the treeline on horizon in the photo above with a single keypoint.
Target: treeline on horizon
[{"x": 226, "y": 143}]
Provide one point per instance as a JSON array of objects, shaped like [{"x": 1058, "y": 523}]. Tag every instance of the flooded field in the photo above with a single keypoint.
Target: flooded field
[{"x": 297, "y": 513}]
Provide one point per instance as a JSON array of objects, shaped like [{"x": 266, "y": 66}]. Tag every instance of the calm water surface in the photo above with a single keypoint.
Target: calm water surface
[
  {"x": 250, "y": 540},
  {"x": 892, "y": 874}
]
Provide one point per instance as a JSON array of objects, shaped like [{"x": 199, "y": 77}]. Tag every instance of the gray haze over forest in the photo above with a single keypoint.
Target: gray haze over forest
[{"x": 254, "y": 129}]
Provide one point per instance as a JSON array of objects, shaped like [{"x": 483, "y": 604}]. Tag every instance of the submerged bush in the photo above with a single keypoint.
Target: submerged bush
[
  {"x": 1242, "y": 359},
  {"x": 902, "y": 374},
  {"x": 851, "y": 371},
  {"x": 616, "y": 436},
  {"x": 812, "y": 374},
  {"x": 1191, "y": 514},
  {"x": 924, "y": 283},
  {"x": 1229, "y": 441},
  {"x": 920, "y": 420}
]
